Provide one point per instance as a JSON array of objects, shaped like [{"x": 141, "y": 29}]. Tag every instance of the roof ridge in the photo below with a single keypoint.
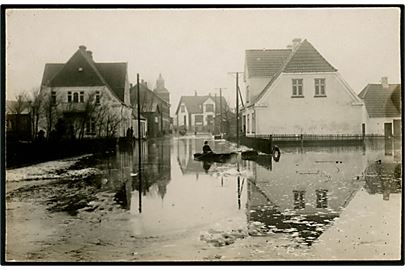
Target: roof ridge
[{"x": 272, "y": 79}]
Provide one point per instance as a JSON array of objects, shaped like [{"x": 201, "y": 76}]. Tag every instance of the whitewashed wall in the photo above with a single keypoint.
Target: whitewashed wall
[{"x": 340, "y": 112}]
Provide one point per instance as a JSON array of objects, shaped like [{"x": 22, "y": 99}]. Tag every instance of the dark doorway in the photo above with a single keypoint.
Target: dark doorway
[
  {"x": 363, "y": 129},
  {"x": 388, "y": 130}
]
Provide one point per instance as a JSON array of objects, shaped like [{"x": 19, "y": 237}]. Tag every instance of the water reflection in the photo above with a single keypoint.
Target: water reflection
[
  {"x": 304, "y": 192},
  {"x": 300, "y": 196},
  {"x": 155, "y": 172},
  {"x": 383, "y": 174}
]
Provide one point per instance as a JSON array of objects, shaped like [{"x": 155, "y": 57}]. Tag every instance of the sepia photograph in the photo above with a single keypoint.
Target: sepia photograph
[{"x": 200, "y": 135}]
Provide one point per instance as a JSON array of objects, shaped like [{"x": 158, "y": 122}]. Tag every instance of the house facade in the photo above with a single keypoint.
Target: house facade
[
  {"x": 155, "y": 109},
  {"x": 92, "y": 98},
  {"x": 296, "y": 91},
  {"x": 197, "y": 113},
  {"x": 382, "y": 112}
]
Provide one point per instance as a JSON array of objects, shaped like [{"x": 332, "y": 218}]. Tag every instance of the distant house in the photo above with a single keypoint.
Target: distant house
[
  {"x": 92, "y": 98},
  {"x": 18, "y": 120},
  {"x": 197, "y": 113},
  {"x": 382, "y": 114},
  {"x": 297, "y": 91},
  {"x": 154, "y": 108}
]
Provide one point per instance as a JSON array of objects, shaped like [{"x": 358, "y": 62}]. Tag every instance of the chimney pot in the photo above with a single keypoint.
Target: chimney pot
[
  {"x": 82, "y": 47},
  {"x": 90, "y": 54},
  {"x": 384, "y": 82},
  {"x": 295, "y": 43}
]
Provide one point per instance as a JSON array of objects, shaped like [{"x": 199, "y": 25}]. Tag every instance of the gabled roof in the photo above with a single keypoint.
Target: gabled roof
[
  {"x": 81, "y": 70},
  {"x": 149, "y": 100},
  {"x": 382, "y": 102},
  {"x": 265, "y": 63},
  {"x": 194, "y": 103},
  {"x": 304, "y": 58},
  {"x": 307, "y": 59}
]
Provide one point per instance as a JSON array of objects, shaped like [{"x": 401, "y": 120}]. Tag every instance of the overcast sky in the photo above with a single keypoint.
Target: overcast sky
[{"x": 195, "y": 49}]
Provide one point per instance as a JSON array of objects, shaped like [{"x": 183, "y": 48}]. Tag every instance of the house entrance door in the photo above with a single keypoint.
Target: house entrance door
[{"x": 388, "y": 130}]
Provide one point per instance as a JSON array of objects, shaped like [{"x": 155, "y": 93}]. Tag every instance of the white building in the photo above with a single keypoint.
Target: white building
[
  {"x": 296, "y": 91},
  {"x": 75, "y": 86},
  {"x": 197, "y": 113},
  {"x": 382, "y": 114}
]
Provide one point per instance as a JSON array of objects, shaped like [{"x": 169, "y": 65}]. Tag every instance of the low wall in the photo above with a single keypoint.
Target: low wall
[{"x": 20, "y": 154}]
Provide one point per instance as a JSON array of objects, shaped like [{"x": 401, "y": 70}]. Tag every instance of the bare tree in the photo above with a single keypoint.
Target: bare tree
[
  {"x": 17, "y": 108},
  {"x": 50, "y": 109},
  {"x": 36, "y": 101}
]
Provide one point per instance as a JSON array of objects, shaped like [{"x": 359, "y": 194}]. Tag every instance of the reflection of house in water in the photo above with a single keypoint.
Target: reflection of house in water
[
  {"x": 304, "y": 191},
  {"x": 384, "y": 171},
  {"x": 185, "y": 156},
  {"x": 156, "y": 171}
]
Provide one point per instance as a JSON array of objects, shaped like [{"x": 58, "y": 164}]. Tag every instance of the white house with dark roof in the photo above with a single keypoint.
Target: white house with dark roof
[
  {"x": 80, "y": 81},
  {"x": 197, "y": 113},
  {"x": 296, "y": 91},
  {"x": 382, "y": 114}
]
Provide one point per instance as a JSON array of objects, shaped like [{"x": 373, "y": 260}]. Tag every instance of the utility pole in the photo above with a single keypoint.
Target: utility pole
[
  {"x": 237, "y": 110},
  {"x": 139, "y": 145},
  {"x": 237, "y": 106},
  {"x": 220, "y": 107}
]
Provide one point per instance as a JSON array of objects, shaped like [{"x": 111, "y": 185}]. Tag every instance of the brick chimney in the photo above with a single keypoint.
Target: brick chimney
[
  {"x": 195, "y": 93},
  {"x": 384, "y": 82}
]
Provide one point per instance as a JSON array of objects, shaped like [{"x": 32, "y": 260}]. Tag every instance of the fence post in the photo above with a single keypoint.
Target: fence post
[
  {"x": 271, "y": 143},
  {"x": 302, "y": 140}
]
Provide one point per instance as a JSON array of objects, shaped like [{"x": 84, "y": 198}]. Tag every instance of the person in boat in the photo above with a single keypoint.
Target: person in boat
[{"x": 206, "y": 148}]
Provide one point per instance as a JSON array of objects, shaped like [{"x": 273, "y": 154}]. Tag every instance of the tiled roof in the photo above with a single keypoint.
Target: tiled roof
[
  {"x": 382, "y": 102},
  {"x": 81, "y": 70},
  {"x": 115, "y": 76},
  {"x": 149, "y": 99},
  {"x": 194, "y": 103},
  {"x": 305, "y": 58},
  {"x": 265, "y": 63}
]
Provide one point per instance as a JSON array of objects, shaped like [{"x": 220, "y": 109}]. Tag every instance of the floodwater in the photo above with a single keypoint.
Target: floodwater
[{"x": 300, "y": 196}]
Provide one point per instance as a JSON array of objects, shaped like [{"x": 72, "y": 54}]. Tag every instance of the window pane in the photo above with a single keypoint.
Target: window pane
[{"x": 75, "y": 97}]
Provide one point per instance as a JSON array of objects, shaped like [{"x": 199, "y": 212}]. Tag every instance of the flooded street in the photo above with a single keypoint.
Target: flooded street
[{"x": 329, "y": 203}]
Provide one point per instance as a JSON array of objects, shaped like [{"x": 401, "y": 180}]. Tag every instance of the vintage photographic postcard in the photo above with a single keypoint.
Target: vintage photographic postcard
[{"x": 204, "y": 134}]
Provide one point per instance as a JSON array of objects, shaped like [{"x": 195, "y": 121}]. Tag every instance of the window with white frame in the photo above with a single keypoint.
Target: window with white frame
[
  {"x": 209, "y": 107},
  {"x": 297, "y": 88},
  {"x": 81, "y": 97},
  {"x": 75, "y": 97},
  {"x": 53, "y": 97},
  {"x": 91, "y": 126},
  {"x": 97, "y": 98},
  {"x": 320, "y": 87}
]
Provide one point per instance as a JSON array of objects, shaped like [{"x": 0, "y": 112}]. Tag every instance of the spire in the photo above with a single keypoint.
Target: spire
[{"x": 160, "y": 82}]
